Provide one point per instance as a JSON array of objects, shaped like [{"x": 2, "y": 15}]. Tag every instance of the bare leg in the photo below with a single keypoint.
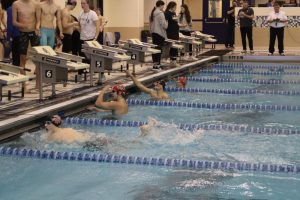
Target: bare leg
[{"x": 22, "y": 66}]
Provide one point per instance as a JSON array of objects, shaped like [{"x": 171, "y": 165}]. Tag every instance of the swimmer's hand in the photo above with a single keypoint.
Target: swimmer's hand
[{"x": 106, "y": 88}]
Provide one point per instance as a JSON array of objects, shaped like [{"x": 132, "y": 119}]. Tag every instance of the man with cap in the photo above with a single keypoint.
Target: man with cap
[
  {"x": 181, "y": 82},
  {"x": 157, "y": 93},
  {"x": 118, "y": 106}
]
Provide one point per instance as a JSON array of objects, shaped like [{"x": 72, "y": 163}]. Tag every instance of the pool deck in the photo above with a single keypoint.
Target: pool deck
[{"x": 23, "y": 114}]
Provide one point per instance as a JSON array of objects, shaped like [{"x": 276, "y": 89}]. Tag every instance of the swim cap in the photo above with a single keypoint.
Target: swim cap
[
  {"x": 182, "y": 80},
  {"x": 119, "y": 89}
]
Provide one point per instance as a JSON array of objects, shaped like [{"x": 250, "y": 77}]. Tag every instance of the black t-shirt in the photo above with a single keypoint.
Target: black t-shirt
[
  {"x": 173, "y": 27},
  {"x": 231, "y": 17},
  {"x": 244, "y": 21}
]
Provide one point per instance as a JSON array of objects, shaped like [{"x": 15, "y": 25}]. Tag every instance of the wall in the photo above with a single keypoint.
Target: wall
[
  {"x": 196, "y": 9},
  {"x": 125, "y": 16},
  {"x": 261, "y": 34}
]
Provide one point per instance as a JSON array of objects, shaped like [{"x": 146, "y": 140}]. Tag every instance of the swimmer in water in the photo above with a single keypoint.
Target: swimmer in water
[
  {"x": 146, "y": 129},
  {"x": 118, "y": 106},
  {"x": 69, "y": 135},
  {"x": 181, "y": 82},
  {"x": 157, "y": 93}
]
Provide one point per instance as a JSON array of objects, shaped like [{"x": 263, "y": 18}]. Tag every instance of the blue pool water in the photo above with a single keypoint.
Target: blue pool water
[{"x": 42, "y": 179}]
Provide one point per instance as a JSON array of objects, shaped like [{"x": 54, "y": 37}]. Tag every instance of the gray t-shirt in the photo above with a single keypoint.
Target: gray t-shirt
[{"x": 244, "y": 21}]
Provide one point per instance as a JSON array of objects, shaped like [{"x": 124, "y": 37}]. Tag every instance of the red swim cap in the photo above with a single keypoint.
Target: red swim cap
[
  {"x": 182, "y": 80},
  {"x": 119, "y": 89}
]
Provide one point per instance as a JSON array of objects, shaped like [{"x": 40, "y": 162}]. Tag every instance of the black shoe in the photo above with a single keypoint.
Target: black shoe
[
  {"x": 156, "y": 68},
  {"x": 281, "y": 54}
]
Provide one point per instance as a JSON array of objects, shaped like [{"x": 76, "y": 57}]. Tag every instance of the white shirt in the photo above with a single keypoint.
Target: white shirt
[
  {"x": 280, "y": 15},
  {"x": 88, "y": 25}
]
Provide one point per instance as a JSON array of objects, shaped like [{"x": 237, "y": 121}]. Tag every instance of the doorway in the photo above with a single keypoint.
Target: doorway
[{"x": 214, "y": 18}]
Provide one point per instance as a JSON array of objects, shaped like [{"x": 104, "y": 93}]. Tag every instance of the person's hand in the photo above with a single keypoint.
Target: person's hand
[
  {"x": 61, "y": 36},
  {"x": 128, "y": 73},
  {"x": 75, "y": 24},
  {"x": 38, "y": 32}
]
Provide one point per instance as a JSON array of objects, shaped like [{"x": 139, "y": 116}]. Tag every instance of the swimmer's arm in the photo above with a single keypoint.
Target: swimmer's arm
[
  {"x": 15, "y": 16},
  {"x": 105, "y": 105},
  {"x": 93, "y": 108},
  {"x": 139, "y": 84}
]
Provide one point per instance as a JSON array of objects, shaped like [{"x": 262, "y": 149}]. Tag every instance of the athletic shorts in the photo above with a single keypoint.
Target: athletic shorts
[
  {"x": 67, "y": 43},
  {"x": 25, "y": 37},
  {"x": 47, "y": 37}
]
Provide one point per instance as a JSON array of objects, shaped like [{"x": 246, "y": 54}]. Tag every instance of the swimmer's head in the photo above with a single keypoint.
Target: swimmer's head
[
  {"x": 118, "y": 90},
  {"x": 54, "y": 122},
  {"x": 160, "y": 85},
  {"x": 181, "y": 82}
]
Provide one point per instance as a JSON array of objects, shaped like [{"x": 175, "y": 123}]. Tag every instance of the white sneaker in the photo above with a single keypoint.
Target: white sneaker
[
  {"x": 156, "y": 68},
  {"x": 270, "y": 54},
  {"x": 193, "y": 58},
  {"x": 252, "y": 52},
  {"x": 244, "y": 52}
]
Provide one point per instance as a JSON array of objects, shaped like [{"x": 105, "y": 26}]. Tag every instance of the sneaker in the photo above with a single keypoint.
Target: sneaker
[
  {"x": 270, "y": 54},
  {"x": 193, "y": 58},
  {"x": 244, "y": 52},
  {"x": 251, "y": 52},
  {"x": 156, "y": 68},
  {"x": 281, "y": 54}
]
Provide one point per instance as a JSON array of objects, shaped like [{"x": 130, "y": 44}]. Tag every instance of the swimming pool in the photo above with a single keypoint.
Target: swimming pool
[{"x": 44, "y": 179}]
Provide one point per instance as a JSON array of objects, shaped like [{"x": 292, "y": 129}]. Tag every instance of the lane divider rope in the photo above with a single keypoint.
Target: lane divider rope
[
  {"x": 215, "y": 71},
  {"x": 220, "y": 106},
  {"x": 237, "y": 80},
  {"x": 190, "y": 127},
  {"x": 233, "y": 91},
  {"x": 248, "y": 66},
  {"x": 145, "y": 161}
]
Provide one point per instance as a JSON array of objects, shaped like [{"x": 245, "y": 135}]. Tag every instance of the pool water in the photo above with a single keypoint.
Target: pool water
[{"x": 42, "y": 179}]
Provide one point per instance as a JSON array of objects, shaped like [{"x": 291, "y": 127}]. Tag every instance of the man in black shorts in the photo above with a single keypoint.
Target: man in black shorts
[
  {"x": 26, "y": 16},
  {"x": 68, "y": 25}
]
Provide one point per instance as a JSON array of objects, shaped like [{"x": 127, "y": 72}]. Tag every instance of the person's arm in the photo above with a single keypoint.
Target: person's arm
[
  {"x": 229, "y": 12},
  {"x": 15, "y": 16},
  {"x": 269, "y": 18},
  {"x": 59, "y": 24},
  {"x": 250, "y": 16},
  {"x": 97, "y": 23},
  {"x": 64, "y": 21},
  {"x": 139, "y": 84},
  {"x": 3, "y": 18},
  {"x": 105, "y": 105},
  {"x": 162, "y": 21},
  {"x": 38, "y": 11},
  {"x": 284, "y": 18}
]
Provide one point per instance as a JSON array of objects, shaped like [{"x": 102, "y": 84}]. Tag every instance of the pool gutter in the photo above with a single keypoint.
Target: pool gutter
[{"x": 16, "y": 125}]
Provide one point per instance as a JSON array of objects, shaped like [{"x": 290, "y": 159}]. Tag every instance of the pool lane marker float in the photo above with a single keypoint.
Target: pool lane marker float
[
  {"x": 233, "y": 91},
  {"x": 240, "y": 80},
  {"x": 215, "y": 71},
  {"x": 248, "y": 66},
  {"x": 219, "y": 106},
  {"x": 147, "y": 161},
  {"x": 190, "y": 127}
]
